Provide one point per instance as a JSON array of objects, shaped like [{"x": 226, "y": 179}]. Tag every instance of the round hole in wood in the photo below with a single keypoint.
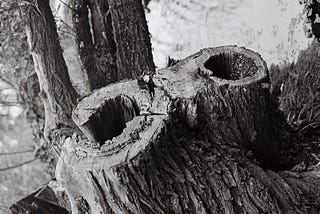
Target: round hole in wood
[
  {"x": 110, "y": 120},
  {"x": 231, "y": 65}
]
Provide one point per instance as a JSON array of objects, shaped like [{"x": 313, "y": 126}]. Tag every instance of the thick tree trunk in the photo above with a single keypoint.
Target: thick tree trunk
[
  {"x": 209, "y": 141},
  {"x": 92, "y": 23},
  {"x": 56, "y": 91},
  {"x": 113, "y": 40},
  {"x": 132, "y": 39}
]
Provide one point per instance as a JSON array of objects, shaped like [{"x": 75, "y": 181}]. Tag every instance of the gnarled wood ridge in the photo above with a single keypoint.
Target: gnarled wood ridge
[{"x": 211, "y": 140}]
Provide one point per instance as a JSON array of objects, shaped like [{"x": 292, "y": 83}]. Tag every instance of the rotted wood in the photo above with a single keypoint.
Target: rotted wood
[{"x": 201, "y": 144}]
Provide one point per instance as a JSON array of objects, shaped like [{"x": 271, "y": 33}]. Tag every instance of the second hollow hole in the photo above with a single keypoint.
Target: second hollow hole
[{"x": 231, "y": 66}]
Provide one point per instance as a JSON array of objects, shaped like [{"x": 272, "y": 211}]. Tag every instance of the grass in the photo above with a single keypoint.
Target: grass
[{"x": 297, "y": 87}]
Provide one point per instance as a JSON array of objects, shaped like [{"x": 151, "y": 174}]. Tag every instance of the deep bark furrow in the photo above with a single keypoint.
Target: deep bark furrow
[
  {"x": 113, "y": 196},
  {"x": 281, "y": 197},
  {"x": 140, "y": 176},
  {"x": 134, "y": 191},
  {"x": 98, "y": 192},
  {"x": 143, "y": 194},
  {"x": 195, "y": 191},
  {"x": 140, "y": 181}
]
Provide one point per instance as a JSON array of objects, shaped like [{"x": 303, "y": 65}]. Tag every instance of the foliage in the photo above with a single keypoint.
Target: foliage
[
  {"x": 18, "y": 87},
  {"x": 15, "y": 61},
  {"x": 17, "y": 72},
  {"x": 16, "y": 183}
]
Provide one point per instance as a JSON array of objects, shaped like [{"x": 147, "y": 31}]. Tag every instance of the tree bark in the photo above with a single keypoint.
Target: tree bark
[
  {"x": 95, "y": 42},
  {"x": 209, "y": 141},
  {"x": 113, "y": 40},
  {"x": 56, "y": 91},
  {"x": 132, "y": 39}
]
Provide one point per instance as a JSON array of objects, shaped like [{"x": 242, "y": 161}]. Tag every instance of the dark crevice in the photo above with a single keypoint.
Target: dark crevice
[
  {"x": 110, "y": 119},
  {"x": 231, "y": 66}
]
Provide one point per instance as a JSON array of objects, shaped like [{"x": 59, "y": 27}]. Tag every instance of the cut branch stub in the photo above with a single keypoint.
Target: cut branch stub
[
  {"x": 237, "y": 107},
  {"x": 183, "y": 150},
  {"x": 104, "y": 113},
  {"x": 233, "y": 66}
]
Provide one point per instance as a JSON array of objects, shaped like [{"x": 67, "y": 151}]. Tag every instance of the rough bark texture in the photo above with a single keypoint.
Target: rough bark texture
[
  {"x": 56, "y": 91},
  {"x": 132, "y": 39},
  {"x": 113, "y": 40},
  {"x": 96, "y": 46},
  {"x": 209, "y": 141}
]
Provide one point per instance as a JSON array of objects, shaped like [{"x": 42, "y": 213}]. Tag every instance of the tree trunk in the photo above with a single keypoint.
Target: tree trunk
[
  {"x": 92, "y": 24},
  {"x": 131, "y": 36},
  {"x": 56, "y": 91},
  {"x": 209, "y": 141},
  {"x": 113, "y": 40}
]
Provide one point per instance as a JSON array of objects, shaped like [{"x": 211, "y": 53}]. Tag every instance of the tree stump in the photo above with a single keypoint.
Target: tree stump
[{"x": 210, "y": 140}]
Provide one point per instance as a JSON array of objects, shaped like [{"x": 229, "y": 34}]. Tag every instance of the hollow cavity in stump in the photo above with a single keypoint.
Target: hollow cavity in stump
[
  {"x": 111, "y": 118},
  {"x": 231, "y": 65}
]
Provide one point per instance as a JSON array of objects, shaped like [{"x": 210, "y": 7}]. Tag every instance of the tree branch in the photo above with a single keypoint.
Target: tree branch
[{"x": 15, "y": 153}]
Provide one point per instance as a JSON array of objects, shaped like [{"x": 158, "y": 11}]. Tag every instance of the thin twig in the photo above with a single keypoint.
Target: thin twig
[
  {"x": 3, "y": 209},
  {"x": 8, "y": 9},
  {"x": 10, "y": 103},
  {"x": 18, "y": 152},
  {"x": 7, "y": 82},
  {"x": 18, "y": 165}
]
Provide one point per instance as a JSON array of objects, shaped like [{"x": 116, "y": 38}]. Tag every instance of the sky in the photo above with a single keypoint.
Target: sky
[{"x": 273, "y": 28}]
